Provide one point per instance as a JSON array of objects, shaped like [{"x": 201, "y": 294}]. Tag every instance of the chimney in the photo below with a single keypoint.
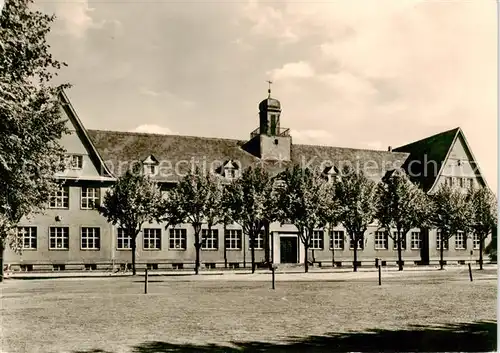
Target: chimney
[{"x": 389, "y": 149}]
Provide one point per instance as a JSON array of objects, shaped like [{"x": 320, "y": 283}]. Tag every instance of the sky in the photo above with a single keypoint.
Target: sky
[{"x": 350, "y": 73}]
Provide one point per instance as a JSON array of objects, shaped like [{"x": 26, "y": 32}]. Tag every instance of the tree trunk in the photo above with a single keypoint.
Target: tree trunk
[
  {"x": 252, "y": 249},
  {"x": 330, "y": 231},
  {"x": 197, "y": 246},
  {"x": 267, "y": 257},
  {"x": 441, "y": 253},
  {"x": 400, "y": 254},
  {"x": 224, "y": 241},
  {"x": 2, "y": 253},
  {"x": 355, "y": 265},
  {"x": 306, "y": 262},
  {"x": 134, "y": 246},
  {"x": 481, "y": 243}
]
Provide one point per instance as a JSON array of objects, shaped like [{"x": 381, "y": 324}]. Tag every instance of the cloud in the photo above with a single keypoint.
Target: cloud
[
  {"x": 312, "y": 136},
  {"x": 153, "y": 129},
  {"x": 186, "y": 103},
  {"x": 76, "y": 16},
  {"x": 299, "y": 69}
]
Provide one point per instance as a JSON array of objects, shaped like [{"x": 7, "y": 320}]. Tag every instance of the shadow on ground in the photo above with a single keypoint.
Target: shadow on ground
[{"x": 471, "y": 337}]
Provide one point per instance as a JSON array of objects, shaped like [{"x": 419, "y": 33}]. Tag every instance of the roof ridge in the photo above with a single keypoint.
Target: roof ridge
[
  {"x": 344, "y": 148},
  {"x": 428, "y": 138},
  {"x": 117, "y": 132}
]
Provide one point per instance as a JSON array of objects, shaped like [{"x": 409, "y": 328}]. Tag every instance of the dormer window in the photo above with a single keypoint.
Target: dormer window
[
  {"x": 73, "y": 161},
  {"x": 330, "y": 173},
  {"x": 230, "y": 170},
  {"x": 150, "y": 165}
]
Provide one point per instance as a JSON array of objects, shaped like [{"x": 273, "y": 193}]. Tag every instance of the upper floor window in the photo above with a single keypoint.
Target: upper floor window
[
  {"x": 230, "y": 170},
  {"x": 317, "y": 240},
  {"x": 60, "y": 198},
  {"x": 150, "y": 165},
  {"x": 28, "y": 237},
  {"x": 89, "y": 198},
  {"x": 75, "y": 161}
]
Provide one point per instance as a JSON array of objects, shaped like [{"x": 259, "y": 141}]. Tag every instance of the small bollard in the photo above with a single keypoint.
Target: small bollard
[
  {"x": 380, "y": 275},
  {"x": 146, "y": 281},
  {"x": 273, "y": 269},
  {"x": 470, "y": 272}
]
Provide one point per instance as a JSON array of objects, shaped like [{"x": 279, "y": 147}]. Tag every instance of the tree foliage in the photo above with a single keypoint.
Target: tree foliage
[
  {"x": 196, "y": 199},
  {"x": 30, "y": 120},
  {"x": 131, "y": 201},
  {"x": 357, "y": 197},
  {"x": 304, "y": 200},
  {"x": 451, "y": 213},
  {"x": 401, "y": 205},
  {"x": 484, "y": 215},
  {"x": 250, "y": 203}
]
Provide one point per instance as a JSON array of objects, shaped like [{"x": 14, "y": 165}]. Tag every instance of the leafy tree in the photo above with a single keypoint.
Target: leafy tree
[
  {"x": 451, "y": 213},
  {"x": 131, "y": 201},
  {"x": 196, "y": 199},
  {"x": 401, "y": 205},
  {"x": 303, "y": 199},
  {"x": 30, "y": 119},
  {"x": 250, "y": 203},
  {"x": 484, "y": 215},
  {"x": 357, "y": 198}
]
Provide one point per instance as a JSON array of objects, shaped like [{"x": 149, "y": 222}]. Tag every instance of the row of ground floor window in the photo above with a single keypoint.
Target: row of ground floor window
[
  {"x": 103, "y": 246},
  {"x": 58, "y": 238}
]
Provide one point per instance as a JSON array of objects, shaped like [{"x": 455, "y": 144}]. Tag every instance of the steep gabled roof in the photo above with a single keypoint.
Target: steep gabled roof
[
  {"x": 176, "y": 154},
  {"x": 426, "y": 157}
]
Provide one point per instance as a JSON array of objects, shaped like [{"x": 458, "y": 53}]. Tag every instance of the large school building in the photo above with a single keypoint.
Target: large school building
[{"x": 71, "y": 235}]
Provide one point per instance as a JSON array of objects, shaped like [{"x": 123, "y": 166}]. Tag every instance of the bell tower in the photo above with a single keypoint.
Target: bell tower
[{"x": 270, "y": 141}]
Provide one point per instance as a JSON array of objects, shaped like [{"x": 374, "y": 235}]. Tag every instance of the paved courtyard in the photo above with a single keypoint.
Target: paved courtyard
[{"x": 317, "y": 312}]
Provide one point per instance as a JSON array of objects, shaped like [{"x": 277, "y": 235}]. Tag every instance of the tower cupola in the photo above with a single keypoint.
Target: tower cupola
[{"x": 269, "y": 115}]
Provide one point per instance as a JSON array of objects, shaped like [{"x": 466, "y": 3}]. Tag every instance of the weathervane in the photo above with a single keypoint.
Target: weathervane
[{"x": 269, "y": 89}]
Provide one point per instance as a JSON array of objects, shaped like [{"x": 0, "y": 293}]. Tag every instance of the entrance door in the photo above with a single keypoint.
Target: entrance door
[{"x": 288, "y": 250}]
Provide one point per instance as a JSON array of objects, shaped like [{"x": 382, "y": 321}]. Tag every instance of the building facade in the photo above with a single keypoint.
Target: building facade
[{"x": 71, "y": 235}]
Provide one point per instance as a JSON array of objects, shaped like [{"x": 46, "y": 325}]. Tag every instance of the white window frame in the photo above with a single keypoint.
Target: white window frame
[
  {"x": 395, "y": 242},
  {"x": 233, "y": 239},
  {"x": 60, "y": 236},
  {"x": 151, "y": 239},
  {"x": 177, "y": 239},
  {"x": 463, "y": 241},
  {"x": 75, "y": 161},
  {"x": 317, "y": 240},
  {"x": 125, "y": 240},
  {"x": 381, "y": 240},
  {"x": 361, "y": 243},
  {"x": 28, "y": 236},
  {"x": 445, "y": 242},
  {"x": 60, "y": 198},
  {"x": 210, "y": 241},
  {"x": 150, "y": 169},
  {"x": 416, "y": 240},
  {"x": 337, "y": 239},
  {"x": 90, "y": 238},
  {"x": 476, "y": 242},
  {"x": 89, "y": 197}
]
